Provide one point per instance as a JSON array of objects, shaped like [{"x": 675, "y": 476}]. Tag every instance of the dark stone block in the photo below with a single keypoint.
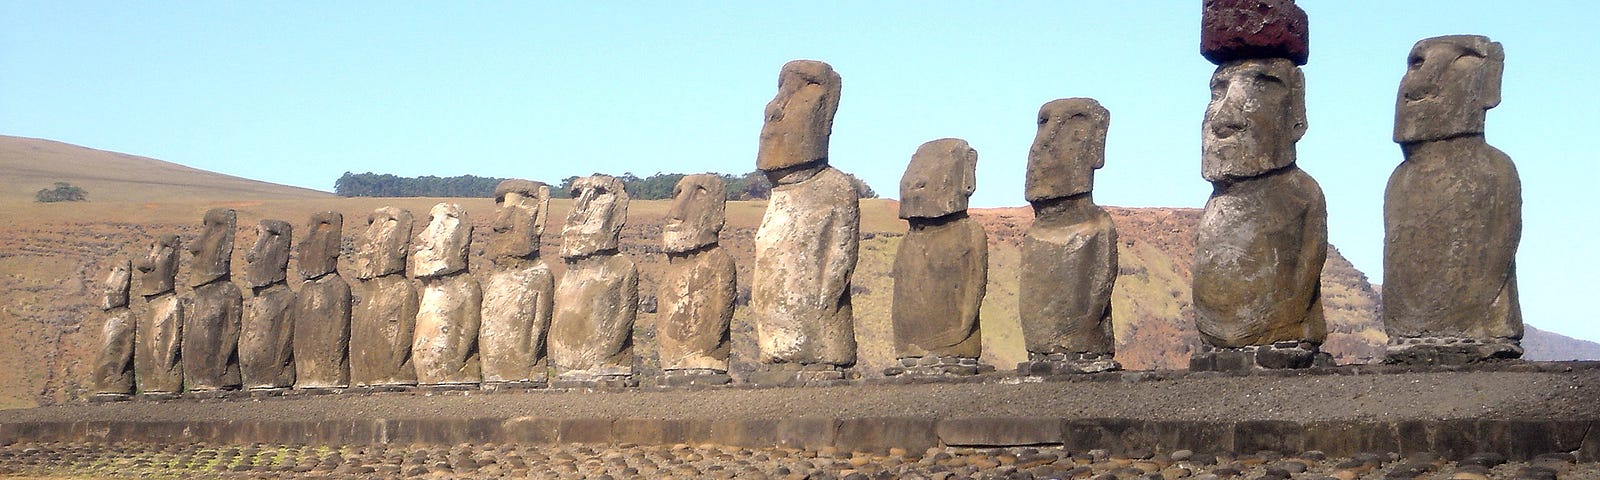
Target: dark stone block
[
  {"x": 584, "y": 430},
  {"x": 807, "y": 432},
  {"x": 1281, "y": 358},
  {"x": 1346, "y": 438},
  {"x": 529, "y": 430},
  {"x": 866, "y": 434},
  {"x": 1276, "y": 435},
  {"x": 1190, "y": 435},
  {"x": 1001, "y": 431},
  {"x": 651, "y": 431},
  {"x": 1107, "y": 433},
  {"x": 742, "y": 433}
]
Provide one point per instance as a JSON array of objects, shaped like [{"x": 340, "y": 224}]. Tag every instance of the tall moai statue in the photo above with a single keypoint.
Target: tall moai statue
[
  {"x": 1069, "y": 255},
  {"x": 698, "y": 287},
  {"x": 212, "y": 316},
  {"x": 113, "y": 365},
  {"x": 1264, "y": 234},
  {"x": 322, "y": 308},
  {"x": 158, "y": 335},
  {"x": 519, "y": 295},
  {"x": 808, "y": 241},
  {"x": 266, "y": 341},
  {"x": 445, "y": 348},
  {"x": 1452, "y": 212},
  {"x": 384, "y": 315},
  {"x": 942, "y": 266},
  {"x": 597, "y": 299}
]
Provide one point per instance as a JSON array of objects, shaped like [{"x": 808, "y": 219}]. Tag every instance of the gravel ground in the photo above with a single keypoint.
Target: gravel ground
[
  {"x": 574, "y": 461},
  {"x": 1347, "y": 395}
]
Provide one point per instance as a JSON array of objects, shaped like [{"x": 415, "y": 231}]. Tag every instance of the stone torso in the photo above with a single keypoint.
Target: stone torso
[
  {"x": 1452, "y": 214},
  {"x": 940, "y": 275},
  {"x": 381, "y": 323},
  {"x": 592, "y": 330},
  {"x": 697, "y": 293},
  {"x": 266, "y": 345},
  {"x": 445, "y": 350},
  {"x": 1065, "y": 286},
  {"x": 1258, "y": 261},
  {"x": 159, "y": 333},
  {"x": 322, "y": 333},
  {"x": 805, "y": 252},
  {"x": 517, "y": 305},
  {"x": 211, "y": 336}
]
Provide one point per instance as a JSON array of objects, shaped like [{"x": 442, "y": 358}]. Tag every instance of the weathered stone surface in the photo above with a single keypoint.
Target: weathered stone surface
[
  {"x": 266, "y": 346},
  {"x": 1264, "y": 234},
  {"x": 1069, "y": 255},
  {"x": 318, "y": 253},
  {"x": 799, "y": 119},
  {"x": 599, "y": 210},
  {"x": 1001, "y": 431},
  {"x": 322, "y": 333},
  {"x": 1069, "y": 146},
  {"x": 113, "y": 364},
  {"x": 806, "y": 250},
  {"x": 385, "y": 306},
  {"x": 591, "y": 334},
  {"x": 698, "y": 212},
  {"x": 267, "y": 262},
  {"x": 1245, "y": 29},
  {"x": 211, "y": 323},
  {"x": 698, "y": 287},
  {"x": 1069, "y": 266},
  {"x": 942, "y": 265},
  {"x": 1453, "y": 208},
  {"x": 384, "y": 244},
  {"x": 518, "y": 297},
  {"x": 159, "y": 332},
  {"x": 212, "y": 315},
  {"x": 445, "y": 347}
]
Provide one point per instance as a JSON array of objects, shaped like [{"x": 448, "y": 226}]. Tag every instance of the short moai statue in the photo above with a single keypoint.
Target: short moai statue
[
  {"x": 1452, "y": 212},
  {"x": 113, "y": 365},
  {"x": 1069, "y": 255},
  {"x": 698, "y": 287},
  {"x": 444, "y": 349},
  {"x": 158, "y": 335},
  {"x": 384, "y": 314},
  {"x": 807, "y": 244},
  {"x": 942, "y": 266},
  {"x": 597, "y": 299},
  {"x": 1264, "y": 234},
  {"x": 322, "y": 308},
  {"x": 266, "y": 342},
  {"x": 519, "y": 294},
  {"x": 212, "y": 316}
]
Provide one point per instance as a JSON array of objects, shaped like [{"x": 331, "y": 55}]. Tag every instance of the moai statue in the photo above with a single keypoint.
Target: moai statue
[
  {"x": 1264, "y": 234},
  {"x": 518, "y": 297},
  {"x": 158, "y": 335},
  {"x": 1069, "y": 255},
  {"x": 698, "y": 286},
  {"x": 942, "y": 266},
  {"x": 807, "y": 244},
  {"x": 113, "y": 366},
  {"x": 591, "y": 334},
  {"x": 385, "y": 311},
  {"x": 212, "y": 316},
  {"x": 445, "y": 347},
  {"x": 322, "y": 308},
  {"x": 1452, "y": 213},
  {"x": 266, "y": 345}
]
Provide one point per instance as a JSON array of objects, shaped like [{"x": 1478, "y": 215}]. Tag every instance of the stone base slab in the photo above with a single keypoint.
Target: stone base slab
[
  {"x": 1278, "y": 356},
  {"x": 1449, "y": 350}
]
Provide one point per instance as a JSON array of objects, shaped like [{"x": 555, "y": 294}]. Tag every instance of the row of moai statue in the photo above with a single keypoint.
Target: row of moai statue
[{"x": 1452, "y": 217}]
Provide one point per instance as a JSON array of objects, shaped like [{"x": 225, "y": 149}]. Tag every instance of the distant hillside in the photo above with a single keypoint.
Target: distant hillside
[
  {"x": 30, "y": 164},
  {"x": 1542, "y": 345}
]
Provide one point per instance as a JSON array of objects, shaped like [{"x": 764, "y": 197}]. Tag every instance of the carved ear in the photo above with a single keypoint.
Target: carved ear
[
  {"x": 1494, "y": 67},
  {"x": 1297, "y": 103},
  {"x": 969, "y": 172}
]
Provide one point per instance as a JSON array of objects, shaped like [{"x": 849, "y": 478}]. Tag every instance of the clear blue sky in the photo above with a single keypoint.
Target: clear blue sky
[{"x": 298, "y": 95}]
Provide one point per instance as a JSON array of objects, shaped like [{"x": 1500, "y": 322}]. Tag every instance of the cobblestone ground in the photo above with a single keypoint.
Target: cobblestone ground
[{"x": 192, "y": 461}]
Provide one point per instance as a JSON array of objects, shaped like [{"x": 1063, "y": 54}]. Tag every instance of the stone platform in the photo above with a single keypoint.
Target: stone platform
[{"x": 1519, "y": 409}]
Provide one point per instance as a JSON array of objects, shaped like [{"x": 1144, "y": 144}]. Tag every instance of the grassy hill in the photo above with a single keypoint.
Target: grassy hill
[
  {"x": 31, "y": 164},
  {"x": 52, "y": 255}
]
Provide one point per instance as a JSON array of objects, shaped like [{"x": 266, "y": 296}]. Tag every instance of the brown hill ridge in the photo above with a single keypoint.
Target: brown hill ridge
[{"x": 31, "y": 164}]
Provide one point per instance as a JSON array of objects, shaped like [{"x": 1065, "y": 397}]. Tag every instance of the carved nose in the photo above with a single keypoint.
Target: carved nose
[
  {"x": 1227, "y": 122},
  {"x": 1418, "y": 92}
]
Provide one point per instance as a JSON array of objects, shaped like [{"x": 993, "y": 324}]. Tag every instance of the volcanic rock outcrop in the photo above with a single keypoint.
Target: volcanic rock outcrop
[
  {"x": 385, "y": 309},
  {"x": 942, "y": 265},
  {"x": 266, "y": 342},
  {"x": 597, "y": 299},
  {"x": 212, "y": 316},
  {"x": 445, "y": 347},
  {"x": 518, "y": 297},
  {"x": 322, "y": 308},
  {"x": 699, "y": 285},
  {"x": 1452, "y": 212}
]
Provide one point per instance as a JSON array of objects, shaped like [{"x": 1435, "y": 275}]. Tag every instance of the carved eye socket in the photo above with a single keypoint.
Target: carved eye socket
[
  {"x": 1043, "y": 120},
  {"x": 1414, "y": 62}
]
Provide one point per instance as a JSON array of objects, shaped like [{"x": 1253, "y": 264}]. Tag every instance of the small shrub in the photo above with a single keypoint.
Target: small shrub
[{"x": 63, "y": 192}]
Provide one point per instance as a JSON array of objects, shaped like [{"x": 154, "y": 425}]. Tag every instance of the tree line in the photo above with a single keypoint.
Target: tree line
[{"x": 749, "y": 186}]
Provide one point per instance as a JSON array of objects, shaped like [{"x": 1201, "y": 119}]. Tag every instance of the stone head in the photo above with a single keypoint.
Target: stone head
[
  {"x": 1450, "y": 84},
  {"x": 441, "y": 248},
  {"x": 940, "y": 178},
  {"x": 268, "y": 260},
  {"x": 319, "y": 249},
  {"x": 384, "y": 244},
  {"x": 1070, "y": 145},
  {"x": 1257, "y": 113},
  {"x": 800, "y": 119},
  {"x": 699, "y": 209},
  {"x": 213, "y": 251},
  {"x": 599, "y": 209},
  {"x": 158, "y": 268},
  {"x": 521, "y": 208},
  {"x": 115, "y": 287}
]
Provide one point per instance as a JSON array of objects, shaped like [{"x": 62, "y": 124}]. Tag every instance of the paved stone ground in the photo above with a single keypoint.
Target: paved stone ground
[{"x": 573, "y": 461}]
